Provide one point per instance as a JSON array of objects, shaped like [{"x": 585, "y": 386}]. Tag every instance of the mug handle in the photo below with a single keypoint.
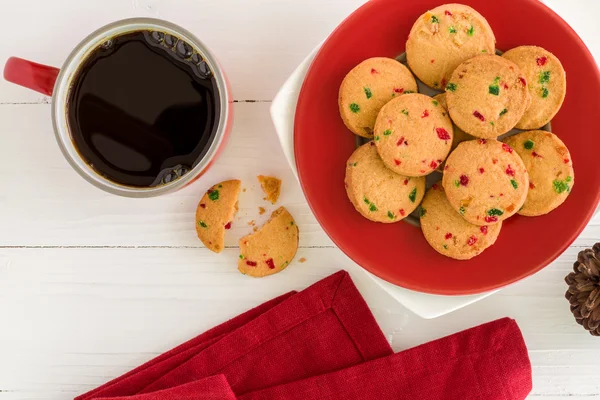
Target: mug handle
[{"x": 34, "y": 76}]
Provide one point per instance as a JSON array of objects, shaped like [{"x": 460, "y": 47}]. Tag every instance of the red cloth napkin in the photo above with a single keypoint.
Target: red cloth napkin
[
  {"x": 323, "y": 343},
  {"x": 488, "y": 362},
  {"x": 324, "y": 328},
  {"x": 137, "y": 379},
  {"x": 211, "y": 388}
]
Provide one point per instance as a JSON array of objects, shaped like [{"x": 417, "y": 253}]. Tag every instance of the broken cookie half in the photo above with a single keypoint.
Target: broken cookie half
[
  {"x": 215, "y": 213},
  {"x": 272, "y": 248}
]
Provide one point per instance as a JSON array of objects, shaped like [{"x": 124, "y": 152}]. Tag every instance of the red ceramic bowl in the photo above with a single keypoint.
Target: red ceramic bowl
[{"x": 398, "y": 253}]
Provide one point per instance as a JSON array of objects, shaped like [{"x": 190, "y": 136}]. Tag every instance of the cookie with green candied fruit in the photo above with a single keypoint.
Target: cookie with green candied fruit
[
  {"x": 378, "y": 193},
  {"x": 550, "y": 168},
  {"x": 368, "y": 87},
  {"x": 547, "y": 84},
  {"x": 444, "y": 37},
  {"x": 215, "y": 213},
  {"x": 413, "y": 135},
  {"x": 270, "y": 249},
  {"x": 450, "y": 234},
  {"x": 487, "y": 96},
  {"x": 485, "y": 181}
]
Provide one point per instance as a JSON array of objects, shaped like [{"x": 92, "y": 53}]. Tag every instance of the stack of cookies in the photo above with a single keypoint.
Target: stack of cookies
[{"x": 486, "y": 178}]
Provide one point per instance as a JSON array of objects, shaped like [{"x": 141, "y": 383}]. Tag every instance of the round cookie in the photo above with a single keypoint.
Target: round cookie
[
  {"x": 215, "y": 213},
  {"x": 378, "y": 193},
  {"x": 459, "y": 135},
  {"x": 450, "y": 234},
  {"x": 443, "y": 38},
  {"x": 368, "y": 87},
  {"x": 550, "y": 169},
  {"x": 547, "y": 84},
  {"x": 487, "y": 95},
  {"x": 272, "y": 248},
  {"x": 485, "y": 181},
  {"x": 413, "y": 135}
]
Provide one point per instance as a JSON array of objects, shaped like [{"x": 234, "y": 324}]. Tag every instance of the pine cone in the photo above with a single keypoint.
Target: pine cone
[{"x": 584, "y": 289}]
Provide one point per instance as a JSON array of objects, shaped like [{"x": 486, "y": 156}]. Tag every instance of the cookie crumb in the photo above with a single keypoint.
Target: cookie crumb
[
  {"x": 255, "y": 228},
  {"x": 261, "y": 210},
  {"x": 244, "y": 190},
  {"x": 271, "y": 186},
  {"x": 302, "y": 260},
  {"x": 251, "y": 223}
]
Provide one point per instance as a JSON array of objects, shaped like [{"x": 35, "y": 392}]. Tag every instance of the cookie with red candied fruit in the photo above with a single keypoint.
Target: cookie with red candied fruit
[
  {"x": 215, "y": 213},
  {"x": 487, "y": 96},
  {"x": 450, "y": 234},
  {"x": 444, "y": 37},
  {"x": 368, "y": 87},
  {"x": 378, "y": 193},
  {"x": 270, "y": 249},
  {"x": 547, "y": 84},
  {"x": 413, "y": 135},
  {"x": 459, "y": 135},
  {"x": 550, "y": 168},
  {"x": 485, "y": 181}
]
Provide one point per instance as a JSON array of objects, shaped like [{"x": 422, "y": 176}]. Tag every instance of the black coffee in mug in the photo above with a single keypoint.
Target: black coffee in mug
[{"x": 143, "y": 108}]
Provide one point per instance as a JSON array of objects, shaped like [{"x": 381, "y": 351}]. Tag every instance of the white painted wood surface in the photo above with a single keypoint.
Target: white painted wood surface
[{"x": 92, "y": 285}]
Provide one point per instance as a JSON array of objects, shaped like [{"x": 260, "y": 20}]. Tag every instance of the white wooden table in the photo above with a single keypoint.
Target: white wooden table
[{"x": 92, "y": 285}]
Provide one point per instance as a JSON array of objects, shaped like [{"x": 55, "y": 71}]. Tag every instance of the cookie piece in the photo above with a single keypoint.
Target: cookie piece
[
  {"x": 485, "y": 181},
  {"x": 368, "y": 87},
  {"x": 413, "y": 135},
  {"x": 550, "y": 169},
  {"x": 443, "y": 38},
  {"x": 459, "y": 135},
  {"x": 272, "y": 248},
  {"x": 215, "y": 213},
  {"x": 450, "y": 234},
  {"x": 271, "y": 186},
  {"x": 377, "y": 192},
  {"x": 487, "y": 95},
  {"x": 547, "y": 84}
]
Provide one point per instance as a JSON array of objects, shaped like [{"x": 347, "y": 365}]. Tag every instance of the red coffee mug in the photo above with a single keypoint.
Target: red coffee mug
[{"x": 56, "y": 83}]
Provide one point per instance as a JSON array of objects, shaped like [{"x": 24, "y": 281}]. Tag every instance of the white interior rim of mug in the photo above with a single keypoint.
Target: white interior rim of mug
[{"x": 64, "y": 82}]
